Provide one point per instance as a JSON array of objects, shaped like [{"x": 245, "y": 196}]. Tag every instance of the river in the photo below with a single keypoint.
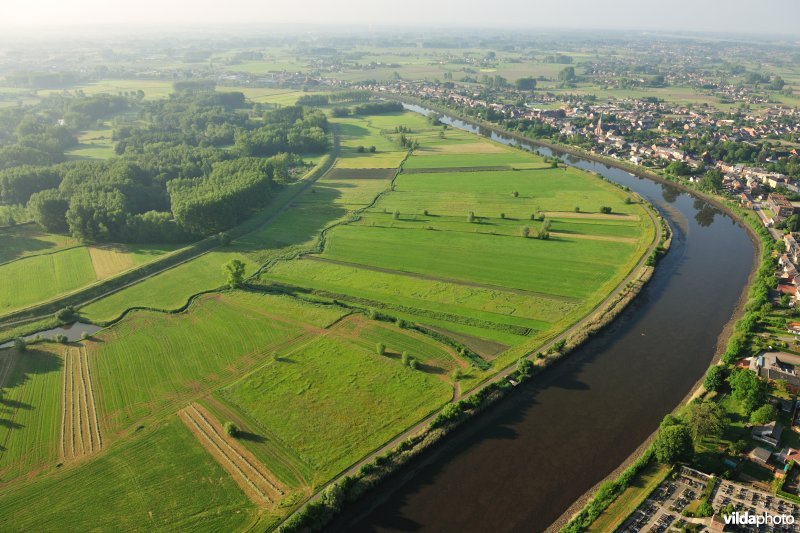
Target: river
[{"x": 519, "y": 466}]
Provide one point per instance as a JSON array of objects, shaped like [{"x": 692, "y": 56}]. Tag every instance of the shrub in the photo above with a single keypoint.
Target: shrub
[
  {"x": 525, "y": 231},
  {"x": 577, "y": 209},
  {"x": 20, "y": 344},
  {"x": 61, "y": 338},
  {"x": 413, "y": 364},
  {"x": 360, "y": 149},
  {"x": 401, "y": 323},
  {"x": 372, "y": 149},
  {"x": 85, "y": 335},
  {"x": 66, "y": 314}
]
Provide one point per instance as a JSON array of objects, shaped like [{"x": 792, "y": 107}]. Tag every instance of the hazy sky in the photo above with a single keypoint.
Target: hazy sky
[{"x": 762, "y": 16}]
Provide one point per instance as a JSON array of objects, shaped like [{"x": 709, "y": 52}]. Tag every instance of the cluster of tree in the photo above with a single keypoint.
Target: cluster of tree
[
  {"x": 377, "y": 108},
  {"x": 222, "y": 199},
  {"x": 172, "y": 181},
  {"x": 288, "y": 129},
  {"x": 313, "y": 100},
  {"x": 558, "y": 58}
]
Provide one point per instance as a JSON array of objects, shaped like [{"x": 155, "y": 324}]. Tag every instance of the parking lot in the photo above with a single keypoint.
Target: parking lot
[
  {"x": 755, "y": 502},
  {"x": 662, "y": 511},
  {"x": 664, "y": 506}
]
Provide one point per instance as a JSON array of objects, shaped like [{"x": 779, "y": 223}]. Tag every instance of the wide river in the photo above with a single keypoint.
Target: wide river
[{"x": 520, "y": 465}]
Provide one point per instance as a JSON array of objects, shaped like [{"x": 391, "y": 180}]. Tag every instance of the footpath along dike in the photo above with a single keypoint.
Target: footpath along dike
[{"x": 351, "y": 484}]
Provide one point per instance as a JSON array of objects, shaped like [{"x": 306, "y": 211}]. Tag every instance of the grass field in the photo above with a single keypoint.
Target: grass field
[
  {"x": 160, "y": 479},
  {"x": 28, "y": 239},
  {"x": 150, "y": 363},
  {"x": 382, "y": 397},
  {"x": 30, "y": 417},
  {"x": 46, "y": 267}
]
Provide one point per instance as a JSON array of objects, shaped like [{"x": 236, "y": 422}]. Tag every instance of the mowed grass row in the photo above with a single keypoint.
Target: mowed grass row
[
  {"x": 159, "y": 479},
  {"x": 150, "y": 363},
  {"x": 333, "y": 400},
  {"x": 30, "y": 409}
]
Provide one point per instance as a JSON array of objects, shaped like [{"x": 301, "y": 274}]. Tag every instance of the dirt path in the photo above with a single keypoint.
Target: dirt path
[
  {"x": 257, "y": 482},
  {"x": 443, "y": 279},
  {"x": 80, "y": 427}
]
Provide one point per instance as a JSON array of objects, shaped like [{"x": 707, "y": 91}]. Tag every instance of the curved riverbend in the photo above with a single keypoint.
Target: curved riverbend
[{"x": 519, "y": 466}]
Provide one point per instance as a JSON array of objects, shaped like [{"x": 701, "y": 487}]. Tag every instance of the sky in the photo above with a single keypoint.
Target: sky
[{"x": 720, "y": 16}]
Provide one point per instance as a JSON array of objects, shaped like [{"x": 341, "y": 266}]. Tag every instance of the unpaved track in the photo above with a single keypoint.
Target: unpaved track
[
  {"x": 257, "y": 482},
  {"x": 80, "y": 428}
]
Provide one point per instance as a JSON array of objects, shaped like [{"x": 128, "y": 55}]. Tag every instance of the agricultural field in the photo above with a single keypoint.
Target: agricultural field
[
  {"x": 42, "y": 266},
  {"x": 381, "y": 396},
  {"x": 161, "y": 478},
  {"x": 427, "y": 251}
]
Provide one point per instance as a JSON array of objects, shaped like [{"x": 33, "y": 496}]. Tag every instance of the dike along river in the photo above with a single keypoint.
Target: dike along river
[{"x": 520, "y": 465}]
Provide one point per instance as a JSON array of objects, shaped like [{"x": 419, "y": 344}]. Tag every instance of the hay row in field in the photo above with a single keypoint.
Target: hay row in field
[
  {"x": 80, "y": 427},
  {"x": 255, "y": 480},
  {"x": 361, "y": 173}
]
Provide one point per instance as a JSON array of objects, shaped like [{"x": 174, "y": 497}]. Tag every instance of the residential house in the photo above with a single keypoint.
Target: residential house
[{"x": 769, "y": 434}]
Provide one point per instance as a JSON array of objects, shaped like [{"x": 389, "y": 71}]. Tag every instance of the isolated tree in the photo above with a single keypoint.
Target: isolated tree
[
  {"x": 714, "y": 378},
  {"x": 230, "y": 429},
  {"x": 456, "y": 374},
  {"x": 606, "y": 210},
  {"x": 706, "y": 419},
  {"x": 471, "y": 217},
  {"x": 380, "y": 348},
  {"x": 673, "y": 444},
  {"x": 235, "y": 272},
  {"x": 526, "y": 84},
  {"x": 525, "y": 231},
  {"x": 515, "y": 194},
  {"x": 567, "y": 74},
  {"x": 405, "y": 358},
  {"x": 396, "y": 215},
  {"x": 413, "y": 364},
  {"x": 764, "y": 414}
]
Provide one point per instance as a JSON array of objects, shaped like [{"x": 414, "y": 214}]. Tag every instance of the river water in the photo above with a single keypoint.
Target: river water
[{"x": 519, "y": 466}]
